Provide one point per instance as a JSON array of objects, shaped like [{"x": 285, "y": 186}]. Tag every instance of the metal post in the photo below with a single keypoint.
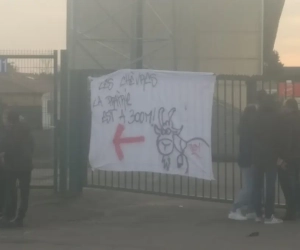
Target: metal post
[
  {"x": 139, "y": 33},
  {"x": 174, "y": 37},
  {"x": 63, "y": 123},
  {"x": 54, "y": 118},
  {"x": 262, "y": 36}
]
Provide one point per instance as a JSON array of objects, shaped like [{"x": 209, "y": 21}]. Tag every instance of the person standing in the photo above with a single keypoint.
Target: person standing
[
  {"x": 13, "y": 208},
  {"x": 289, "y": 157},
  {"x": 17, "y": 148},
  {"x": 245, "y": 161},
  {"x": 265, "y": 159},
  {"x": 2, "y": 187}
]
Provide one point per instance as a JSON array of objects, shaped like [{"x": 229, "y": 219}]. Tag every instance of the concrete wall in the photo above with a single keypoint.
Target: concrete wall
[{"x": 224, "y": 37}]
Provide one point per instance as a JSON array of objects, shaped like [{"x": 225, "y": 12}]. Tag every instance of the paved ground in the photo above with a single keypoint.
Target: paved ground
[{"x": 106, "y": 220}]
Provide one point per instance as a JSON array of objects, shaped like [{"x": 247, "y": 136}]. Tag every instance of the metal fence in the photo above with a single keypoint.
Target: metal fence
[
  {"x": 28, "y": 83},
  {"x": 232, "y": 94}
]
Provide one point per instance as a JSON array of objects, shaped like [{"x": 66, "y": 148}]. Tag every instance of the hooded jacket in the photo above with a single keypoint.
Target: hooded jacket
[
  {"x": 288, "y": 136},
  {"x": 264, "y": 135},
  {"x": 17, "y": 145}
]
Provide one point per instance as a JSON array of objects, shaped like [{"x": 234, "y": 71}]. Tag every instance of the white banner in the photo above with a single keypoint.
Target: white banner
[{"x": 152, "y": 121}]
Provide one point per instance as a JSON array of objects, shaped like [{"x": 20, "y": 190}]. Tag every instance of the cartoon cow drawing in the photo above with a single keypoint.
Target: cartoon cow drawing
[{"x": 169, "y": 140}]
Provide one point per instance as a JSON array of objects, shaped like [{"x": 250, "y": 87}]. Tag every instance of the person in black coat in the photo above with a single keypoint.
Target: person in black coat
[
  {"x": 265, "y": 159},
  {"x": 3, "y": 179},
  {"x": 17, "y": 150},
  {"x": 289, "y": 156}
]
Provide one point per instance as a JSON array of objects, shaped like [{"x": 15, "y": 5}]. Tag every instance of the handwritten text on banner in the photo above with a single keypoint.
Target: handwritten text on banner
[{"x": 152, "y": 121}]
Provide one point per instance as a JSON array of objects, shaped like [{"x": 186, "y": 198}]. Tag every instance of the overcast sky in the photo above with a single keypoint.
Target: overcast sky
[{"x": 41, "y": 24}]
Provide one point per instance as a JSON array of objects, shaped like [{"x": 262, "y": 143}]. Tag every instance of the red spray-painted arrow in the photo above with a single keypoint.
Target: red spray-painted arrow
[{"x": 125, "y": 140}]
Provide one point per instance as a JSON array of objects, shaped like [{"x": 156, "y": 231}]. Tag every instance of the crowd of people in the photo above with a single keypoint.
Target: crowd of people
[
  {"x": 16, "y": 150},
  {"x": 269, "y": 147}
]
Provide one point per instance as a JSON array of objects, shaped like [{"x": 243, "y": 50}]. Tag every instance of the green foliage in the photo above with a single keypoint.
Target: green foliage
[{"x": 273, "y": 65}]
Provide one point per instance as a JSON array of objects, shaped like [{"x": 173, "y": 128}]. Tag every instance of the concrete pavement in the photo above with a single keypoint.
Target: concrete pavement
[{"x": 106, "y": 220}]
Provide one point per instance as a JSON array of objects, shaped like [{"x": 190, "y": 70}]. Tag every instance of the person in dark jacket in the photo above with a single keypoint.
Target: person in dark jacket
[
  {"x": 265, "y": 159},
  {"x": 17, "y": 150},
  {"x": 245, "y": 161},
  {"x": 289, "y": 156},
  {"x": 13, "y": 208},
  {"x": 3, "y": 193}
]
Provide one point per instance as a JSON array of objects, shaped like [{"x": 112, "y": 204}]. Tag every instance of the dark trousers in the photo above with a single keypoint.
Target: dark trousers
[
  {"x": 3, "y": 194},
  {"x": 260, "y": 173},
  {"x": 289, "y": 181},
  {"x": 24, "y": 178}
]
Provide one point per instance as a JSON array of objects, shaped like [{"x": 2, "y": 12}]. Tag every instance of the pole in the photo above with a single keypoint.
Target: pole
[
  {"x": 139, "y": 33},
  {"x": 174, "y": 35}
]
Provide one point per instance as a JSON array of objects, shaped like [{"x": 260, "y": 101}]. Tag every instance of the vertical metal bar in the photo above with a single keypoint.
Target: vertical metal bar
[
  {"x": 139, "y": 180},
  {"x": 218, "y": 140},
  {"x": 152, "y": 179},
  {"x": 188, "y": 186},
  {"x": 196, "y": 187},
  {"x": 293, "y": 83},
  {"x": 132, "y": 181},
  {"x": 225, "y": 136},
  {"x": 98, "y": 175},
  {"x": 210, "y": 189},
  {"x": 63, "y": 123},
  {"x": 233, "y": 138},
  {"x": 174, "y": 186},
  {"x": 240, "y": 116},
  {"x": 278, "y": 192},
  {"x": 55, "y": 123},
  {"x": 262, "y": 34},
  {"x": 105, "y": 181},
  {"x": 174, "y": 30},
  {"x": 159, "y": 183},
  {"x": 203, "y": 188},
  {"x": 278, "y": 184},
  {"x": 167, "y": 183},
  {"x": 285, "y": 90},
  {"x": 180, "y": 185},
  {"x": 139, "y": 33},
  {"x": 118, "y": 179},
  {"x": 92, "y": 177}
]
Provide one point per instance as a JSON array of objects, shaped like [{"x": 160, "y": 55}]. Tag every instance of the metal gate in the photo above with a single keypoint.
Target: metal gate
[
  {"x": 28, "y": 83},
  {"x": 232, "y": 94},
  {"x": 229, "y": 100}
]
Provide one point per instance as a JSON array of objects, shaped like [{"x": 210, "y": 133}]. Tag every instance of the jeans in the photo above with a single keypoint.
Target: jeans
[
  {"x": 270, "y": 173},
  {"x": 4, "y": 194},
  {"x": 245, "y": 196},
  {"x": 289, "y": 181},
  {"x": 24, "y": 178}
]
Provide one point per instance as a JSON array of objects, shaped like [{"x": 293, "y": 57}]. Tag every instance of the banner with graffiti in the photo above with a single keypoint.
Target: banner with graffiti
[{"x": 152, "y": 121}]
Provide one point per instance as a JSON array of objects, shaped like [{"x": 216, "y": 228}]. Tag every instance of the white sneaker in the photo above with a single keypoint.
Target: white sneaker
[
  {"x": 273, "y": 220},
  {"x": 258, "y": 219},
  {"x": 251, "y": 216},
  {"x": 237, "y": 216}
]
